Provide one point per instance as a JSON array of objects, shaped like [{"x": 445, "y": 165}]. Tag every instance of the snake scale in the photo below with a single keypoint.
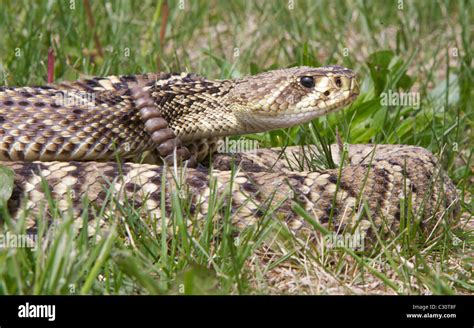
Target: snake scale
[{"x": 70, "y": 134}]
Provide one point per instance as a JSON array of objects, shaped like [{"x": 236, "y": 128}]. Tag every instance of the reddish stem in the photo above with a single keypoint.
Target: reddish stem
[
  {"x": 164, "y": 22},
  {"x": 91, "y": 21},
  {"x": 50, "y": 65}
]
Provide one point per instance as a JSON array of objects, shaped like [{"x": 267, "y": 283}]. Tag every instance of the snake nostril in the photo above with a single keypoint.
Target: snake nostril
[
  {"x": 338, "y": 82},
  {"x": 327, "y": 93}
]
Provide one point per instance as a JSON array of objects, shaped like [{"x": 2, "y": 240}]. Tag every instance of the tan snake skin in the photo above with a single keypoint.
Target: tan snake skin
[{"x": 129, "y": 115}]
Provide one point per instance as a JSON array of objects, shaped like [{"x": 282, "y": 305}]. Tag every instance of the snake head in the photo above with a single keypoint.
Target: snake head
[{"x": 286, "y": 97}]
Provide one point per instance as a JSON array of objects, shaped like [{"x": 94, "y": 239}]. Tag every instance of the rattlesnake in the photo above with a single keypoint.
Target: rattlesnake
[{"x": 70, "y": 133}]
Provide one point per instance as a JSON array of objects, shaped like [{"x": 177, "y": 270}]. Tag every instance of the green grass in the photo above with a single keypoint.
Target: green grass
[{"x": 424, "y": 47}]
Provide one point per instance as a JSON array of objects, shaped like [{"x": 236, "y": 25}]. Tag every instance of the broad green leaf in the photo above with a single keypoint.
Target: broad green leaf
[
  {"x": 378, "y": 64},
  {"x": 7, "y": 177}
]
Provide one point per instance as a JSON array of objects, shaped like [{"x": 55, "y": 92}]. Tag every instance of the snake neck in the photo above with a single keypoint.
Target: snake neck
[{"x": 198, "y": 109}]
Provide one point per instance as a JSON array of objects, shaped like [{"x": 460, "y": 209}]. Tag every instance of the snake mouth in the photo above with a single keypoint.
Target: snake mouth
[{"x": 260, "y": 123}]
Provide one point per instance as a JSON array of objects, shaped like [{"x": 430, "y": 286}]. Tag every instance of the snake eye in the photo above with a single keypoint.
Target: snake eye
[{"x": 307, "y": 81}]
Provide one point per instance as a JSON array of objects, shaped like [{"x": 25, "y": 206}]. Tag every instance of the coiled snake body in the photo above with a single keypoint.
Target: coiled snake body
[{"x": 71, "y": 133}]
